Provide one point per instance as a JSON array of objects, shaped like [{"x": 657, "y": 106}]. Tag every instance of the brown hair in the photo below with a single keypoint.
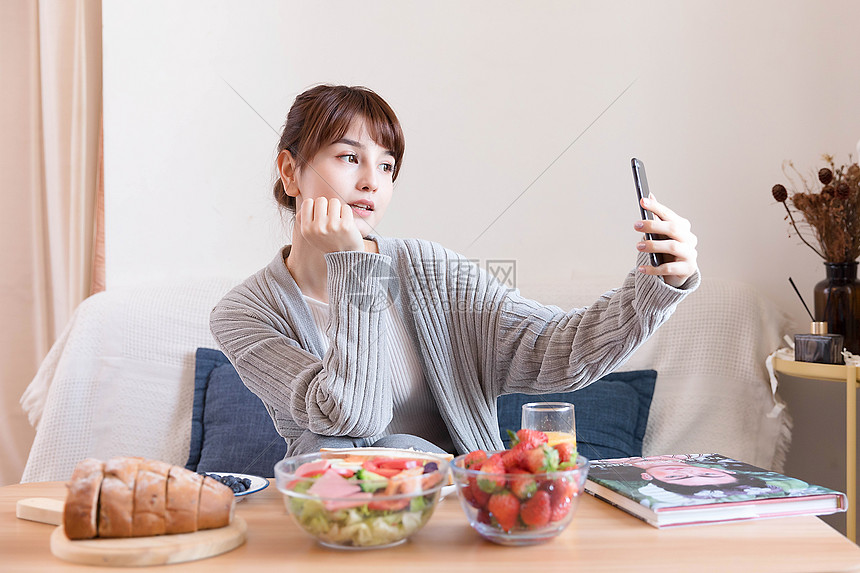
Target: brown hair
[{"x": 321, "y": 116}]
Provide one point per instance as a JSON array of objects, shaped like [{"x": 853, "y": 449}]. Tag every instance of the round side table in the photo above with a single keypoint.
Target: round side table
[{"x": 848, "y": 375}]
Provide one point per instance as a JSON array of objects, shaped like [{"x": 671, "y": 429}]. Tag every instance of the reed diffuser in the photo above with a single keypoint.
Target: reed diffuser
[{"x": 818, "y": 345}]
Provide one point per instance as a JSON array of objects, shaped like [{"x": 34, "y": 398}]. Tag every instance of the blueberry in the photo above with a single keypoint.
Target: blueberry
[{"x": 430, "y": 467}]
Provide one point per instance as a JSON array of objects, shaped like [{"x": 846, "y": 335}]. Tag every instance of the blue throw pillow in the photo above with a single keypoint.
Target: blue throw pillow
[
  {"x": 231, "y": 431},
  {"x": 611, "y": 413}
]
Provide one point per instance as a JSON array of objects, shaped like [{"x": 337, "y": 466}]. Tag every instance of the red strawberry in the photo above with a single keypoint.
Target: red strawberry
[
  {"x": 560, "y": 503},
  {"x": 566, "y": 451},
  {"x": 540, "y": 459},
  {"x": 478, "y": 495},
  {"x": 513, "y": 458},
  {"x": 522, "y": 484},
  {"x": 466, "y": 490},
  {"x": 562, "y": 491},
  {"x": 473, "y": 458},
  {"x": 472, "y": 492},
  {"x": 536, "y": 511},
  {"x": 566, "y": 485},
  {"x": 484, "y": 516},
  {"x": 505, "y": 507},
  {"x": 525, "y": 436},
  {"x": 492, "y": 476}
]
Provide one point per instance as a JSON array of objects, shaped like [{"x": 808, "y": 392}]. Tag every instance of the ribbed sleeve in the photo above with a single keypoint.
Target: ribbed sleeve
[
  {"x": 347, "y": 392},
  {"x": 547, "y": 348},
  {"x": 354, "y": 396}
]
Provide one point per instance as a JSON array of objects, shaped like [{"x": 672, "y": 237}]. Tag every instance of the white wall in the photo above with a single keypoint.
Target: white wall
[{"x": 490, "y": 94}]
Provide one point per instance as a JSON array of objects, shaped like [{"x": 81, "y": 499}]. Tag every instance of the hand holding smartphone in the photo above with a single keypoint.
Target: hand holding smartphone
[{"x": 642, "y": 190}]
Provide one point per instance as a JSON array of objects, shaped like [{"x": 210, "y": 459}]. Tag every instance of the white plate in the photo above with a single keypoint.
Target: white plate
[
  {"x": 447, "y": 490},
  {"x": 257, "y": 483}
]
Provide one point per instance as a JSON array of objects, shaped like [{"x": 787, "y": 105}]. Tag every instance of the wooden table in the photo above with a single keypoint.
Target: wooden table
[{"x": 601, "y": 538}]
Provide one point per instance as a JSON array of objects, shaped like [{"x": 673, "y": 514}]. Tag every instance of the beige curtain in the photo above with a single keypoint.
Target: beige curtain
[
  {"x": 98, "y": 270},
  {"x": 50, "y": 106}
]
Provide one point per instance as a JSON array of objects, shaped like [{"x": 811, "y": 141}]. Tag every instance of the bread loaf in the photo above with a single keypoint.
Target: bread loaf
[
  {"x": 216, "y": 504},
  {"x": 150, "y": 499},
  {"x": 81, "y": 512},
  {"x": 183, "y": 497},
  {"x": 116, "y": 501},
  {"x": 128, "y": 496}
]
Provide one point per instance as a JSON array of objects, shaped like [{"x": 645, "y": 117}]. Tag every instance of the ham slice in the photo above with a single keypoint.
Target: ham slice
[
  {"x": 312, "y": 468},
  {"x": 332, "y": 484},
  {"x": 354, "y": 500},
  {"x": 346, "y": 494}
]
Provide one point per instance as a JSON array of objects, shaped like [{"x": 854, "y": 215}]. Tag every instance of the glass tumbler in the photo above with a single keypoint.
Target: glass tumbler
[{"x": 555, "y": 419}]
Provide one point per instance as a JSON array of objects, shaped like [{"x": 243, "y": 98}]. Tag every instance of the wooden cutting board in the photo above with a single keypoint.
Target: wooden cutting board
[{"x": 134, "y": 551}]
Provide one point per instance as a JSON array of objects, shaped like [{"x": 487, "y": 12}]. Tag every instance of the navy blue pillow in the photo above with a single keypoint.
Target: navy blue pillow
[
  {"x": 231, "y": 431},
  {"x": 611, "y": 413}
]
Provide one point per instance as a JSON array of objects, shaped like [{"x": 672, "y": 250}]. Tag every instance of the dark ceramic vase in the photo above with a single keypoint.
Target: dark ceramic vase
[{"x": 837, "y": 302}]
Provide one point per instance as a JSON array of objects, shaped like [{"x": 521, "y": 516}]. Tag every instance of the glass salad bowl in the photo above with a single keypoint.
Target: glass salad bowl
[{"x": 360, "y": 501}]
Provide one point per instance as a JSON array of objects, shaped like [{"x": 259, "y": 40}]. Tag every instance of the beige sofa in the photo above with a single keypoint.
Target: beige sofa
[{"x": 121, "y": 377}]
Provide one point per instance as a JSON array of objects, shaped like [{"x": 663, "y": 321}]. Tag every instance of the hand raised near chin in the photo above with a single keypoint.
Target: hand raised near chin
[{"x": 328, "y": 225}]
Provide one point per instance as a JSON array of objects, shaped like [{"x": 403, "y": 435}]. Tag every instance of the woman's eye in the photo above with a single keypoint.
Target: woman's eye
[
  {"x": 349, "y": 158},
  {"x": 387, "y": 167}
]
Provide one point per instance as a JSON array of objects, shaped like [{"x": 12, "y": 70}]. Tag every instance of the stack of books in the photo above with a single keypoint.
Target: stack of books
[{"x": 688, "y": 489}]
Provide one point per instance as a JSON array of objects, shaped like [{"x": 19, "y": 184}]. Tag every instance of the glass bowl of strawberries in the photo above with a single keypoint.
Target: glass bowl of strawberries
[{"x": 524, "y": 495}]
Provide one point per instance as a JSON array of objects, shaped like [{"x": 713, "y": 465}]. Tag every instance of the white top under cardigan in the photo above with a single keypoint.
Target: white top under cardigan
[{"x": 477, "y": 339}]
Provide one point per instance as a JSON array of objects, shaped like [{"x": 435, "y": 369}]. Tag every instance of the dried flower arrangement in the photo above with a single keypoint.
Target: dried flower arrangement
[{"x": 830, "y": 207}]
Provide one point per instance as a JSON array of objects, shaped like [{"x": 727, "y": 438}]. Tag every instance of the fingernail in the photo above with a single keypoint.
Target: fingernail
[
  {"x": 640, "y": 246},
  {"x": 642, "y": 269},
  {"x": 646, "y": 202},
  {"x": 639, "y": 225}
]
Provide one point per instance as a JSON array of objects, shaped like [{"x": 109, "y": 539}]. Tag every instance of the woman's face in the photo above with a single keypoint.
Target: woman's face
[
  {"x": 684, "y": 474},
  {"x": 355, "y": 170}
]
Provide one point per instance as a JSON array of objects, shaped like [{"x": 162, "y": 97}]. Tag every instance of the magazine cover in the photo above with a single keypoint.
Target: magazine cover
[{"x": 675, "y": 483}]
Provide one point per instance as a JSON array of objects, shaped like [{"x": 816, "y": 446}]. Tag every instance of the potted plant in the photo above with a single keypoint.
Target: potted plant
[{"x": 828, "y": 206}]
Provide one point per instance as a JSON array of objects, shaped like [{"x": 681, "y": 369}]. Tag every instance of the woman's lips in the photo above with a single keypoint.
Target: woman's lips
[{"x": 361, "y": 209}]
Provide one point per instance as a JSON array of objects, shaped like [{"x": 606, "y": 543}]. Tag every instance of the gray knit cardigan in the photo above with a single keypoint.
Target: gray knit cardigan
[{"x": 476, "y": 339}]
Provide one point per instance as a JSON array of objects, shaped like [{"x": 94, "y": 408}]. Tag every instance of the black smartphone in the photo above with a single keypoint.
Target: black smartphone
[{"x": 641, "y": 182}]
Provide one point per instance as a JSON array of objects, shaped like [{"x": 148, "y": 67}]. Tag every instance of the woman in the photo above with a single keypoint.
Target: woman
[{"x": 352, "y": 339}]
